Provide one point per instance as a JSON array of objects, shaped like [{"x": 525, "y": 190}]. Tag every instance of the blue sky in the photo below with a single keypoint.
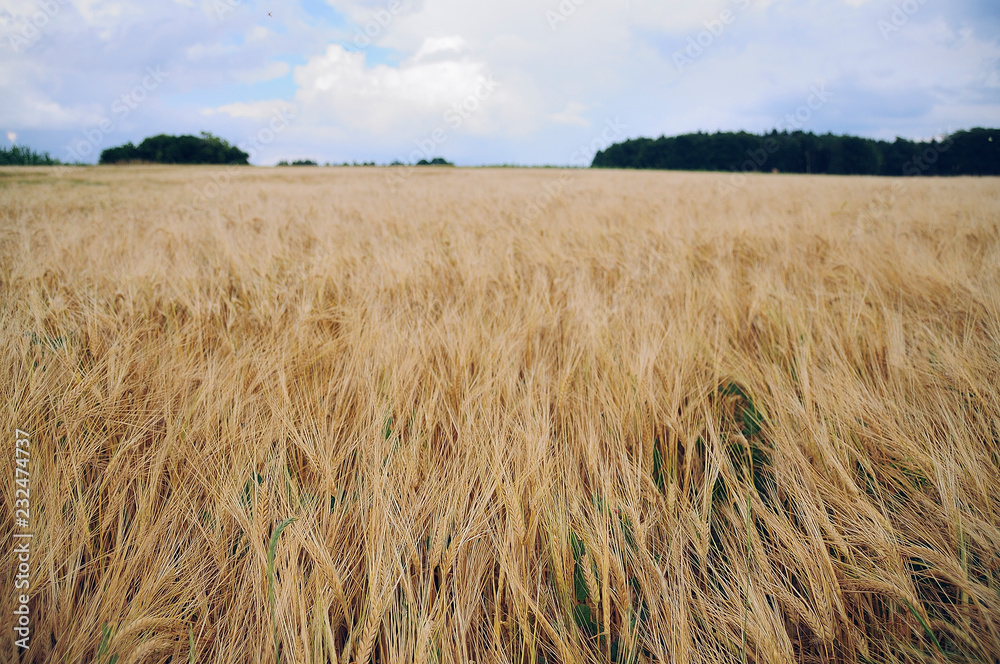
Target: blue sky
[{"x": 518, "y": 81}]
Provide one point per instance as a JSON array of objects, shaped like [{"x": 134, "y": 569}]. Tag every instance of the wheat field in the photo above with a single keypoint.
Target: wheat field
[{"x": 501, "y": 415}]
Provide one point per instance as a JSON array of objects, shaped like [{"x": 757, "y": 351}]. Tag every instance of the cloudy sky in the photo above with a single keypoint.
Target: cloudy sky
[{"x": 486, "y": 81}]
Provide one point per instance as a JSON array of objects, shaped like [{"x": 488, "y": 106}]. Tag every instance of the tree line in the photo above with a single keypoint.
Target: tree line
[
  {"x": 967, "y": 152},
  {"x": 164, "y": 149},
  {"x": 16, "y": 155}
]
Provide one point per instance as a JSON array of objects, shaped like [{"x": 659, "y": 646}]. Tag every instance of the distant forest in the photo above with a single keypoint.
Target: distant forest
[
  {"x": 968, "y": 152},
  {"x": 163, "y": 149},
  {"x": 16, "y": 155}
]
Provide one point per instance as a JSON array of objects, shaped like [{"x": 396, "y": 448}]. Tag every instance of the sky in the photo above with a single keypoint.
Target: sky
[{"x": 483, "y": 82}]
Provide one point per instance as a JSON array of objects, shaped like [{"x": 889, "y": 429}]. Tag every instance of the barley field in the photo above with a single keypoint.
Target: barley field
[{"x": 501, "y": 415}]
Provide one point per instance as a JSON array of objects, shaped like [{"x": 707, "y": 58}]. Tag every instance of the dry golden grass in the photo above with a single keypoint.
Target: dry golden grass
[{"x": 663, "y": 422}]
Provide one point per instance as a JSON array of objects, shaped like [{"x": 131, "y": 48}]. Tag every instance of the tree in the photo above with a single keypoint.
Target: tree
[
  {"x": 18, "y": 156},
  {"x": 972, "y": 152},
  {"x": 186, "y": 149},
  {"x": 436, "y": 161}
]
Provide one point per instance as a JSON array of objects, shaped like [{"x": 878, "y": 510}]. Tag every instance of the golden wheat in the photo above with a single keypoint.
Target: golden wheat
[{"x": 661, "y": 420}]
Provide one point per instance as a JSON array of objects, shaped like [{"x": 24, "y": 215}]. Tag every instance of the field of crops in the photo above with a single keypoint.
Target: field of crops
[{"x": 444, "y": 415}]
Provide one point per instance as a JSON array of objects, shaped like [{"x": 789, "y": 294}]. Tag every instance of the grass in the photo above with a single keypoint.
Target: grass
[{"x": 660, "y": 421}]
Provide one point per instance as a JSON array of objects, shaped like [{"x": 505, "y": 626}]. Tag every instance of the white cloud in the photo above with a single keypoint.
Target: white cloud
[
  {"x": 266, "y": 72},
  {"x": 383, "y": 99},
  {"x": 257, "y": 110},
  {"x": 259, "y": 33},
  {"x": 557, "y": 84},
  {"x": 380, "y": 11},
  {"x": 682, "y": 16},
  {"x": 571, "y": 115},
  {"x": 106, "y": 17},
  {"x": 35, "y": 108},
  {"x": 201, "y": 51},
  {"x": 440, "y": 45}
]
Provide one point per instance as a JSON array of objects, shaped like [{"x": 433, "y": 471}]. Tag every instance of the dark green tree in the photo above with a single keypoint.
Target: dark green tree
[
  {"x": 971, "y": 152},
  {"x": 16, "y": 155},
  {"x": 186, "y": 149}
]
